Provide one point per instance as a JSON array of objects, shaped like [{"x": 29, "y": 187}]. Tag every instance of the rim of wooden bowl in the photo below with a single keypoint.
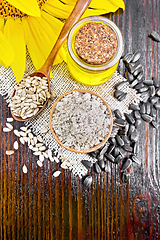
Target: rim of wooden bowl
[{"x": 71, "y": 149}]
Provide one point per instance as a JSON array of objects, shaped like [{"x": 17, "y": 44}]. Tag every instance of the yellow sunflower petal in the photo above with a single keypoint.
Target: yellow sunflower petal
[
  {"x": 42, "y": 34},
  {"x": 15, "y": 34},
  {"x": 1, "y": 24},
  {"x": 57, "y": 28},
  {"x": 57, "y": 8},
  {"x": 46, "y": 35},
  {"x": 29, "y": 7},
  {"x": 33, "y": 48},
  {"x": 108, "y": 5},
  {"x": 99, "y": 7},
  {"x": 6, "y": 50},
  {"x": 118, "y": 3}
]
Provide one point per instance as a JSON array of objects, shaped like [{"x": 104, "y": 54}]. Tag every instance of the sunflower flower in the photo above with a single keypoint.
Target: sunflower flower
[{"x": 35, "y": 24}]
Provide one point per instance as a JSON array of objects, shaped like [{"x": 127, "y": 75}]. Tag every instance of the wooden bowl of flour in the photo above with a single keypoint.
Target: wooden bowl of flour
[{"x": 90, "y": 149}]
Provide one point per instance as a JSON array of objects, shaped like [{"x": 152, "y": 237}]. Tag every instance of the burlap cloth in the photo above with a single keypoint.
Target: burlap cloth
[{"x": 63, "y": 82}]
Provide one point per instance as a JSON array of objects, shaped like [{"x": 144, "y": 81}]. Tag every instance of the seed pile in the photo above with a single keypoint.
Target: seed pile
[
  {"x": 149, "y": 90},
  {"x": 30, "y": 95},
  {"x": 125, "y": 142},
  {"x": 35, "y": 144},
  {"x": 81, "y": 120}
]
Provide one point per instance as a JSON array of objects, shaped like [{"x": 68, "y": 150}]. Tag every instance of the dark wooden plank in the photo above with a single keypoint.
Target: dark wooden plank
[{"x": 37, "y": 206}]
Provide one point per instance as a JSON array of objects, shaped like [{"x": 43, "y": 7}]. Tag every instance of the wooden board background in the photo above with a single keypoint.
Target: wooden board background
[{"x": 37, "y": 206}]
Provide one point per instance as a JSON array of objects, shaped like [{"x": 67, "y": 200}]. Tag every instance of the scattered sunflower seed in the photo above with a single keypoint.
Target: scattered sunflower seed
[
  {"x": 23, "y": 134},
  {"x": 9, "y": 126},
  {"x": 9, "y": 152},
  {"x": 39, "y": 163},
  {"x": 35, "y": 149},
  {"x": 37, "y": 153},
  {"x": 125, "y": 177},
  {"x": 155, "y": 36},
  {"x": 39, "y": 145},
  {"x": 30, "y": 135},
  {"x": 10, "y": 119},
  {"x": 41, "y": 158},
  {"x": 42, "y": 148},
  {"x": 5, "y": 129},
  {"x": 56, "y": 159},
  {"x": 53, "y": 95},
  {"x": 120, "y": 85},
  {"x": 21, "y": 139},
  {"x": 24, "y": 169},
  {"x": 44, "y": 130},
  {"x": 87, "y": 181},
  {"x": 87, "y": 164},
  {"x": 154, "y": 124},
  {"x": 24, "y": 129},
  {"x": 97, "y": 168},
  {"x": 15, "y": 145},
  {"x": 26, "y": 139},
  {"x": 146, "y": 117},
  {"x": 117, "y": 113},
  {"x": 102, "y": 164},
  {"x": 52, "y": 159},
  {"x": 64, "y": 166},
  {"x": 45, "y": 154},
  {"x": 56, "y": 174},
  {"x": 49, "y": 152},
  {"x": 126, "y": 164},
  {"x": 128, "y": 58},
  {"x": 135, "y": 159},
  {"x": 118, "y": 159},
  {"x": 39, "y": 138},
  {"x": 136, "y": 56},
  {"x": 30, "y": 147}
]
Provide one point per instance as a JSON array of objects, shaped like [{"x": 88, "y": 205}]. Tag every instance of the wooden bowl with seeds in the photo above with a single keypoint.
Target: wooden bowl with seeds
[{"x": 91, "y": 108}]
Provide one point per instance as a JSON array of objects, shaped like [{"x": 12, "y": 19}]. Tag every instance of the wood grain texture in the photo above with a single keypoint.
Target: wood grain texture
[{"x": 37, "y": 206}]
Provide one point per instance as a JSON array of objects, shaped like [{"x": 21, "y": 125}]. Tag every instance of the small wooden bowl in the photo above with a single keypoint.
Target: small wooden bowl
[{"x": 71, "y": 149}]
